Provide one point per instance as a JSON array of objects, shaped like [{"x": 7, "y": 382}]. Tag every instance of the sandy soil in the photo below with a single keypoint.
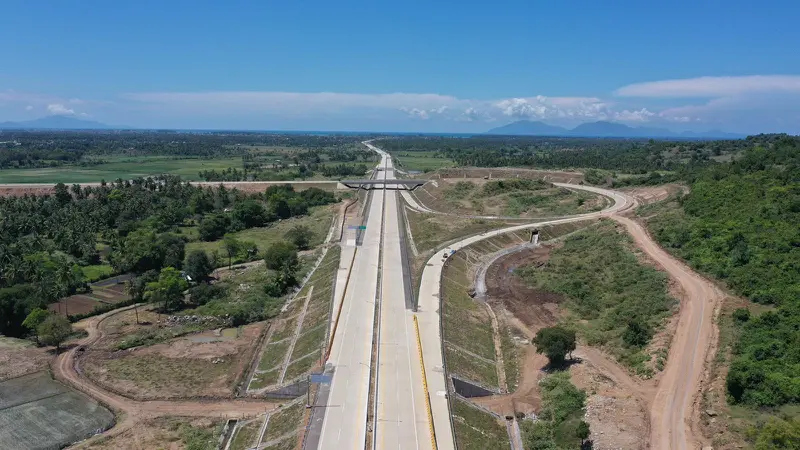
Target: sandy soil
[
  {"x": 652, "y": 194},
  {"x": 677, "y": 393},
  {"x": 615, "y": 408},
  {"x": 20, "y": 357},
  {"x": 196, "y": 365}
]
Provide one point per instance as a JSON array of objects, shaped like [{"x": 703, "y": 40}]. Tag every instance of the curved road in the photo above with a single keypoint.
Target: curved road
[{"x": 672, "y": 406}]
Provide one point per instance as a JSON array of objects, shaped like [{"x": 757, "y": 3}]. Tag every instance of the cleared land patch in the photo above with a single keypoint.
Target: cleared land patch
[
  {"x": 38, "y": 412},
  {"x": 517, "y": 197},
  {"x": 205, "y": 365},
  {"x": 19, "y": 357}
]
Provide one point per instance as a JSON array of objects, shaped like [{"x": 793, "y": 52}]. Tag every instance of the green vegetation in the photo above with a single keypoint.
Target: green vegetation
[
  {"x": 312, "y": 335},
  {"x": 318, "y": 220},
  {"x": 555, "y": 342},
  {"x": 496, "y": 187},
  {"x": 92, "y": 273},
  {"x": 608, "y": 291},
  {"x": 246, "y": 435},
  {"x": 126, "y": 169},
  {"x": 475, "y": 429},
  {"x": 285, "y": 420},
  {"x": 637, "y": 156},
  {"x": 560, "y": 424},
  {"x": 515, "y": 197},
  {"x": 432, "y": 230},
  {"x": 54, "y": 330},
  {"x": 421, "y": 161},
  {"x": 739, "y": 224}
]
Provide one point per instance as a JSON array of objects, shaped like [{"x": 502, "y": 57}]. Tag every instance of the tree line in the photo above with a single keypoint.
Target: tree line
[{"x": 45, "y": 240}]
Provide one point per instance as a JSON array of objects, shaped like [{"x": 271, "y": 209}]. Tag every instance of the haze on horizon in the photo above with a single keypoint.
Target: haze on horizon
[{"x": 450, "y": 67}]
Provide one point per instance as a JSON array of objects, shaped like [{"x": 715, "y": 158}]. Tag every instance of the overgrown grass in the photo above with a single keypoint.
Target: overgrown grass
[
  {"x": 180, "y": 377},
  {"x": 309, "y": 341},
  {"x": 616, "y": 301},
  {"x": 467, "y": 367},
  {"x": 302, "y": 366},
  {"x": 431, "y": 230},
  {"x": 154, "y": 335},
  {"x": 318, "y": 221},
  {"x": 511, "y": 358},
  {"x": 286, "y": 420},
  {"x": 274, "y": 354},
  {"x": 195, "y": 438},
  {"x": 96, "y": 272},
  {"x": 246, "y": 435},
  {"x": 477, "y": 430},
  {"x": 264, "y": 379},
  {"x": 562, "y": 412},
  {"x": 421, "y": 161}
]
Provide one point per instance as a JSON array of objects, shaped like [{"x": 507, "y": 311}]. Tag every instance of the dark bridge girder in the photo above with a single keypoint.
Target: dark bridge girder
[{"x": 392, "y": 185}]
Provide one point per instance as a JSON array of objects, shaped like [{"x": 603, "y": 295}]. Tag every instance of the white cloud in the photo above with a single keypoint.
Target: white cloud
[
  {"x": 416, "y": 112},
  {"x": 642, "y": 115},
  {"x": 713, "y": 86},
  {"x": 295, "y": 103},
  {"x": 59, "y": 109},
  {"x": 29, "y": 108}
]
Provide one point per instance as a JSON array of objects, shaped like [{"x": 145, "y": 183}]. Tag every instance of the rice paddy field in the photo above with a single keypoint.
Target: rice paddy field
[
  {"x": 38, "y": 412},
  {"x": 125, "y": 168}
]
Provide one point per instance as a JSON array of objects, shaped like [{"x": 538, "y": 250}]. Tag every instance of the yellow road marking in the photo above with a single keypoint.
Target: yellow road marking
[{"x": 425, "y": 385}]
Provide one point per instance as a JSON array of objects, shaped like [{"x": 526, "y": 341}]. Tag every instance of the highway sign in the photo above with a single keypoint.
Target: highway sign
[{"x": 321, "y": 378}]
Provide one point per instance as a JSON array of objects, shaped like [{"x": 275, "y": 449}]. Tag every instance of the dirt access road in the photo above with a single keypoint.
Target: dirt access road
[
  {"x": 674, "y": 416},
  {"x": 134, "y": 411},
  {"x": 673, "y": 411}
]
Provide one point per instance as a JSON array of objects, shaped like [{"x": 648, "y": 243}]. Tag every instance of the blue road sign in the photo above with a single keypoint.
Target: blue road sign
[{"x": 321, "y": 378}]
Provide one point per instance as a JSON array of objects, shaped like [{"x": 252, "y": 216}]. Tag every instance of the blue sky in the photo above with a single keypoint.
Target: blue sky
[{"x": 403, "y": 66}]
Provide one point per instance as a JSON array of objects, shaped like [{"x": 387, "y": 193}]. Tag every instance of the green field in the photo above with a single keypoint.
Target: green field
[
  {"x": 422, "y": 161},
  {"x": 119, "y": 167}
]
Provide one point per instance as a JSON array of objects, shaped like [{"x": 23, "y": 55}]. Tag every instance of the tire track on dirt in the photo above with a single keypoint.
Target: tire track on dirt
[
  {"x": 671, "y": 410},
  {"x": 133, "y": 411}
]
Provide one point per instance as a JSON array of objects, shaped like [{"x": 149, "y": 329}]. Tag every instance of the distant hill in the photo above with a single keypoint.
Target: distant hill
[
  {"x": 529, "y": 128},
  {"x": 56, "y": 123},
  {"x": 602, "y": 129}
]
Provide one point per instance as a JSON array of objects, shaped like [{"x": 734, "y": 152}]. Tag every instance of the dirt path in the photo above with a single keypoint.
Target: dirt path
[
  {"x": 133, "y": 411},
  {"x": 671, "y": 411}
]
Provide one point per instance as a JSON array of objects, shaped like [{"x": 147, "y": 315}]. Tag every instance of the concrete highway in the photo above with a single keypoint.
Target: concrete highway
[
  {"x": 401, "y": 412},
  {"x": 401, "y": 420},
  {"x": 345, "y": 422}
]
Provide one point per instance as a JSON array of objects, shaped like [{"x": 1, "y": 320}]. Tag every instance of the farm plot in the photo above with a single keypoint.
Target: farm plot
[
  {"x": 38, "y": 412},
  {"x": 101, "y": 297}
]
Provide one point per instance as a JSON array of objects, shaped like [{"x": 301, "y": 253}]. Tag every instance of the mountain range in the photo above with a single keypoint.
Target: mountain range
[
  {"x": 602, "y": 129},
  {"x": 56, "y": 123}
]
